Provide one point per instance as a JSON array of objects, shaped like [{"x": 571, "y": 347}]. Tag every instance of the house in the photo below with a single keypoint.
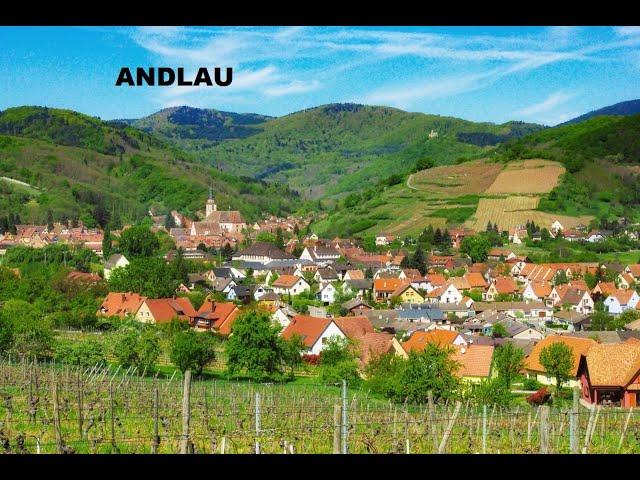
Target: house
[
  {"x": 290, "y": 285},
  {"x": 458, "y": 235},
  {"x": 317, "y": 331},
  {"x": 633, "y": 269},
  {"x": 475, "y": 280},
  {"x": 262, "y": 252},
  {"x": 603, "y": 385},
  {"x": 383, "y": 288},
  {"x": 223, "y": 285},
  {"x": 320, "y": 254},
  {"x": 117, "y": 260},
  {"x": 518, "y": 330},
  {"x": 383, "y": 239},
  {"x": 282, "y": 315},
  {"x": 538, "y": 291},
  {"x": 353, "y": 275},
  {"x": 327, "y": 294},
  {"x": 603, "y": 289},
  {"x": 326, "y": 275},
  {"x": 217, "y": 316},
  {"x": 407, "y": 293},
  {"x": 359, "y": 288},
  {"x": 579, "y": 347},
  {"x": 83, "y": 278},
  {"x": 517, "y": 235},
  {"x": 534, "y": 312},
  {"x": 260, "y": 291},
  {"x": 500, "y": 253},
  {"x": 500, "y": 286},
  {"x": 163, "y": 310},
  {"x": 120, "y": 304},
  {"x": 474, "y": 362},
  {"x": 445, "y": 294},
  {"x": 419, "y": 340},
  {"x": 556, "y": 227},
  {"x": 625, "y": 281},
  {"x": 620, "y": 300},
  {"x": 572, "y": 298},
  {"x": 355, "y": 306},
  {"x": 574, "y": 321},
  {"x": 375, "y": 344},
  {"x": 240, "y": 293}
]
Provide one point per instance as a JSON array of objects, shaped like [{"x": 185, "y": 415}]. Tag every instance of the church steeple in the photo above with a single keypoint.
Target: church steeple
[{"x": 211, "y": 203}]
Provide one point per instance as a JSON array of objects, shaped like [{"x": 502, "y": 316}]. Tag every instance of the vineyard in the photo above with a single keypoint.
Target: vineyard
[
  {"x": 527, "y": 177},
  {"x": 59, "y": 409},
  {"x": 513, "y": 211}
]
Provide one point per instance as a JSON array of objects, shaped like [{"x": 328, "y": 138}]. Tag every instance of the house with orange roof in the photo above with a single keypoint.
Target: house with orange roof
[
  {"x": 120, "y": 304},
  {"x": 290, "y": 285},
  {"x": 353, "y": 275},
  {"x": 579, "y": 346},
  {"x": 163, "y": 310},
  {"x": 374, "y": 344},
  {"x": 603, "y": 385},
  {"x": 633, "y": 269},
  {"x": 407, "y": 293},
  {"x": 620, "y": 300},
  {"x": 538, "y": 291},
  {"x": 420, "y": 339},
  {"x": 625, "y": 281},
  {"x": 217, "y": 316},
  {"x": 500, "y": 286},
  {"x": 474, "y": 362},
  {"x": 460, "y": 283},
  {"x": 315, "y": 332},
  {"x": 476, "y": 280},
  {"x": 603, "y": 289},
  {"x": 383, "y": 288}
]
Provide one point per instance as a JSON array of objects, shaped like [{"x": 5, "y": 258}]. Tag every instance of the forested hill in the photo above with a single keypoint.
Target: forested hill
[
  {"x": 630, "y": 107},
  {"x": 79, "y": 166},
  {"x": 332, "y": 149}
]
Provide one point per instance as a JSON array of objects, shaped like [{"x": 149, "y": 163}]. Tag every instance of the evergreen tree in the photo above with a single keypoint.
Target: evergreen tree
[
  {"x": 4, "y": 225},
  {"x": 169, "y": 221},
  {"x": 49, "y": 220},
  {"x": 489, "y": 227},
  {"x": 419, "y": 260},
  {"x": 107, "y": 243}
]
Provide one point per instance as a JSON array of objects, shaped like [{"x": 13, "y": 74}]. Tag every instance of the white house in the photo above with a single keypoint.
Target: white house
[
  {"x": 320, "y": 254},
  {"x": 445, "y": 294},
  {"x": 116, "y": 260},
  {"x": 383, "y": 239},
  {"x": 290, "y": 285},
  {"x": 327, "y": 294},
  {"x": 621, "y": 300},
  {"x": 315, "y": 332},
  {"x": 556, "y": 227}
]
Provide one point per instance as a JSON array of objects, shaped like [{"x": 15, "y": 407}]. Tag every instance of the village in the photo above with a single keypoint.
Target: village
[{"x": 322, "y": 289}]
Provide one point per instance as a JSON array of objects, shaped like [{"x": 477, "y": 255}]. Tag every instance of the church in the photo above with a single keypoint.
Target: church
[{"x": 218, "y": 222}]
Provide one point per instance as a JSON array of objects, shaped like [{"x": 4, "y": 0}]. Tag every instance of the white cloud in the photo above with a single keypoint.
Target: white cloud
[
  {"x": 548, "y": 104},
  {"x": 292, "y": 88}
]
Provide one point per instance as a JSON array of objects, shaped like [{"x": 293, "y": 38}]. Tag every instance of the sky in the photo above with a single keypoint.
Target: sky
[{"x": 537, "y": 74}]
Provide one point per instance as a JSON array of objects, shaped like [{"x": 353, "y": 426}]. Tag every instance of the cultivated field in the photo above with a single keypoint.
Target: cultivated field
[
  {"x": 512, "y": 211},
  {"x": 456, "y": 180},
  {"x": 527, "y": 177}
]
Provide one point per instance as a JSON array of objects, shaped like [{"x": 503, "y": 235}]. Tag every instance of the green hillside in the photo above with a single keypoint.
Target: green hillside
[
  {"x": 332, "y": 149},
  {"x": 602, "y": 157},
  {"x": 80, "y": 167}
]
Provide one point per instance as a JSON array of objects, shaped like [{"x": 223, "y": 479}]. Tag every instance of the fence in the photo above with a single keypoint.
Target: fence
[{"x": 48, "y": 409}]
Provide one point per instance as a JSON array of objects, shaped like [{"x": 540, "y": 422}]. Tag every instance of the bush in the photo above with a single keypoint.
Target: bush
[
  {"x": 492, "y": 392},
  {"x": 136, "y": 346},
  {"x": 531, "y": 384},
  {"x": 86, "y": 353}
]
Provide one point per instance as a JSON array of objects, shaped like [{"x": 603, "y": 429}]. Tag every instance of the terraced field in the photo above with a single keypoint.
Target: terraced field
[{"x": 455, "y": 180}]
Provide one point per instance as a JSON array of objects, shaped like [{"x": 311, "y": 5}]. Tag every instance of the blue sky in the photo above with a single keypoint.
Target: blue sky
[{"x": 539, "y": 74}]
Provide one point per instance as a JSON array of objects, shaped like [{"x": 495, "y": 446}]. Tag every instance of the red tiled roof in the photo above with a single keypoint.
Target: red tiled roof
[
  {"x": 419, "y": 340},
  {"x": 120, "y": 304},
  {"x": 286, "y": 281},
  {"x": 307, "y": 327}
]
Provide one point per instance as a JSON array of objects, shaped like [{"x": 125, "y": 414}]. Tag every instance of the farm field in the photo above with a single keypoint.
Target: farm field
[
  {"x": 455, "y": 180},
  {"x": 59, "y": 409},
  {"x": 527, "y": 177},
  {"x": 512, "y": 211}
]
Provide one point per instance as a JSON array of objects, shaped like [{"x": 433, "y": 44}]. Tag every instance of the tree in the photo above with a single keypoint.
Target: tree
[
  {"x": 107, "y": 244},
  {"x": 476, "y": 247},
  {"x": 227, "y": 251},
  {"x": 191, "y": 350},
  {"x": 509, "y": 361},
  {"x": 26, "y": 331},
  {"x": 84, "y": 353},
  {"x": 292, "y": 349},
  {"x": 169, "y": 221},
  {"x": 557, "y": 360},
  {"x": 254, "y": 347},
  {"x": 151, "y": 277},
  {"x": 338, "y": 361},
  {"x": 498, "y": 330},
  {"x": 492, "y": 392},
  {"x": 136, "y": 345},
  {"x": 424, "y": 163},
  {"x": 138, "y": 241}
]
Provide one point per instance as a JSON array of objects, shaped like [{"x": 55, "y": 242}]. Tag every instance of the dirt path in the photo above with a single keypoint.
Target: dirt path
[{"x": 409, "y": 178}]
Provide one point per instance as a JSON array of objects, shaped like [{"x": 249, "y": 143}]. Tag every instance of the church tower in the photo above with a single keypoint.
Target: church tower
[{"x": 211, "y": 203}]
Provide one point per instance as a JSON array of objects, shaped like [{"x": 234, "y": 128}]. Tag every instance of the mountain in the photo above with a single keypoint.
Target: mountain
[
  {"x": 198, "y": 127},
  {"x": 574, "y": 173},
  {"x": 630, "y": 107},
  {"x": 332, "y": 149},
  {"x": 79, "y": 166}
]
